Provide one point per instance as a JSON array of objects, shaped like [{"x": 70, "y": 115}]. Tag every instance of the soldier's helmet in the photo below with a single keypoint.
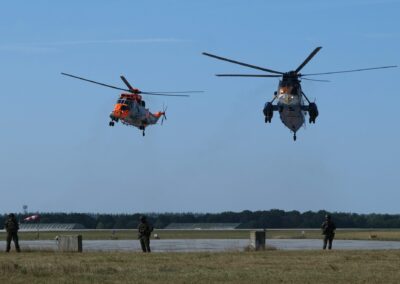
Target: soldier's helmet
[
  {"x": 11, "y": 215},
  {"x": 142, "y": 218},
  {"x": 327, "y": 217}
]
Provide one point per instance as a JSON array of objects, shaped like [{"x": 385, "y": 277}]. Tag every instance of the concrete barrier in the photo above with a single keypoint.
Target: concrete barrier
[
  {"x": 257, "y": 240},
  {"x": 71, "y": 243}
]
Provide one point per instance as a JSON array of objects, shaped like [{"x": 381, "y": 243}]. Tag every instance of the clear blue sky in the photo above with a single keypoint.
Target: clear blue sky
[{"x": 215, "y": 152}]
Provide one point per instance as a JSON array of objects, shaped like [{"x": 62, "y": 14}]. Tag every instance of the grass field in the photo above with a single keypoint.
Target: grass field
[
  {"x": 232, "y": 267},
  {"x": 385, "y": 234}
]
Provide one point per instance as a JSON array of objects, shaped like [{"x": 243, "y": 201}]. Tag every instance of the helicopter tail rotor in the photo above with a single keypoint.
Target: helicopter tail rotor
[{"x": 163, "y": 113}]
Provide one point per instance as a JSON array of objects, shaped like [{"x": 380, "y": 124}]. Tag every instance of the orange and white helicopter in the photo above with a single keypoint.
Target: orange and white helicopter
[{"x": 131, "y": 109}]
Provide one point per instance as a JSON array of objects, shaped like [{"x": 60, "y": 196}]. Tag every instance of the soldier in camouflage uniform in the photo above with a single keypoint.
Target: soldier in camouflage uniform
[
  {"x": 12, "y": 227},
  {"x": 144, "y": 232},
  {"x": 328, "y": 230}
]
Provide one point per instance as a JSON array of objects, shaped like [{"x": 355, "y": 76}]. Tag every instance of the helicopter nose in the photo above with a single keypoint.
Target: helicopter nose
[{"x": 119, "y": 111}]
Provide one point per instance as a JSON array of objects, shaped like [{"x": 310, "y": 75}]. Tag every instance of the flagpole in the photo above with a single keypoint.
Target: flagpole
[{"x": 38, "y": 229}]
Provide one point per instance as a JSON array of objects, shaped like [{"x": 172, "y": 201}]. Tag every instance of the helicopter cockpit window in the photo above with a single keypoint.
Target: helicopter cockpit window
[
  {"x": 124, "y": 107},
  {"x": 294, "y": 90}
]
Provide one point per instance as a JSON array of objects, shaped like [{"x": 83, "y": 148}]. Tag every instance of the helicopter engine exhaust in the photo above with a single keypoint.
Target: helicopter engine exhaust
[{"x": 313, "y": 112}]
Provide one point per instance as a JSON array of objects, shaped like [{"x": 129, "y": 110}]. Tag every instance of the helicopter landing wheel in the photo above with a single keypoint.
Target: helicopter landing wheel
[{"x": 111, "y": 123}]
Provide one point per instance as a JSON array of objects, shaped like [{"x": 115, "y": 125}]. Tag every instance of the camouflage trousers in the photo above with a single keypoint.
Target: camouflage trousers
[
  {"x": 145, "y": 244},
  {"x": 12, "y": 236},
  {"x": 328, "y": 240}
]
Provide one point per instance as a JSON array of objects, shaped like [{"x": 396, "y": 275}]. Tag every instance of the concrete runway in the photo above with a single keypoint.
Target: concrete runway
[{"x": 211, "y": 245}]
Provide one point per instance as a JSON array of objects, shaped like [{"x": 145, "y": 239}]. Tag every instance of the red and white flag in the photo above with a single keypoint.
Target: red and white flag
[{"x": 32, "y": 218}]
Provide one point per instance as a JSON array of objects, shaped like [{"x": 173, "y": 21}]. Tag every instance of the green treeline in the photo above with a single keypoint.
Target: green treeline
[{"x": 248, "y": 219}]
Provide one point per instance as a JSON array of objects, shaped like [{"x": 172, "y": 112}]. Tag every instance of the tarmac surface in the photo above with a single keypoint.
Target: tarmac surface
[{"x": 211, "y": 245}]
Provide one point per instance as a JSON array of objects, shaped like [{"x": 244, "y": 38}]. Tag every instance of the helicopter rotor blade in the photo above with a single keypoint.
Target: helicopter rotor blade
[
  {"x": 348, "y": 71},
  {"x": 312, "y": 54},
  {"x": 247, "y": 75},
  {"x": 94, "y": 82},
  {"x": 171, "y": 92},
  {"x": 132, "y": 90},
  {"x": 315, "y": 80},
  {"x": 127, "y": 83},
  {"x": 241, "y": 63},
  {"x": 163, "y": 94}
]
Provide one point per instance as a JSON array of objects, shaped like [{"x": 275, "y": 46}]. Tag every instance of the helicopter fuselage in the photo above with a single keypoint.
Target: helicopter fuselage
[
  {"x": 130, "y": 110},
  {"x": 290, "y": 103}
]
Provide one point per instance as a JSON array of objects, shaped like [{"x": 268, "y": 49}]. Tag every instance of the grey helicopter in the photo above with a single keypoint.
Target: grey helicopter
[{"x": 291, "y": 105}]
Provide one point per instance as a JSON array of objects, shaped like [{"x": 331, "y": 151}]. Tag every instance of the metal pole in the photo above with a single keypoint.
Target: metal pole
[{"x": 38, "y": 228}]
